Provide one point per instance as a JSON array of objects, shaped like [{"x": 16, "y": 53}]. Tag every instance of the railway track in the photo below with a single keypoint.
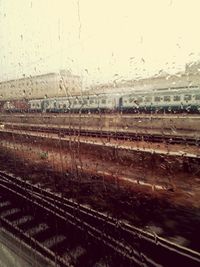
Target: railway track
[
  {"x": 137, "y": 135},
  {"x": 55, "y": 222},
  {"x": 58, "y": 236}
]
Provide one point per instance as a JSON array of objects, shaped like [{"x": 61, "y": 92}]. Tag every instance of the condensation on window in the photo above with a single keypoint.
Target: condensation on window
[{"x": 100, "y": 105}]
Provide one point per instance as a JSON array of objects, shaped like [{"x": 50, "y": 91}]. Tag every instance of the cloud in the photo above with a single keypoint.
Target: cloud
[{"x": 100, "y": 36}]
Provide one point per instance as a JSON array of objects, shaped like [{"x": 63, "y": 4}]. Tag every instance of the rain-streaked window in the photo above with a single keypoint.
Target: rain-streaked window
[{"x": 99, "y": 133}]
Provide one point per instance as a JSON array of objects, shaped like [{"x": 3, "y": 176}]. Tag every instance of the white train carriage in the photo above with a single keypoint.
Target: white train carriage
[
  {"x": 177, "y": 99},
  {"x": 81, "y": 103},
  {"x": 136, "y": 101},
  {"x": 50, "y": 105},
  {"x": 108, "y": 102},
  {"x": 169, "y": 100},
  {"x": 36, "y": 105},
  {"x": 63, "y": 104},
  {"x": 91, "y": 103},
  {"x": 172, "y": 99}
]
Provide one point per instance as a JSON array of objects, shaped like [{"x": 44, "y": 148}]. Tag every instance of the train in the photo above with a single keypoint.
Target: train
[{"x": 177, "y": 99}]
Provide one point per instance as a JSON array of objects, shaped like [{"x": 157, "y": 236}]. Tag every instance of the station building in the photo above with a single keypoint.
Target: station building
[{"x": 41, "y": 86}]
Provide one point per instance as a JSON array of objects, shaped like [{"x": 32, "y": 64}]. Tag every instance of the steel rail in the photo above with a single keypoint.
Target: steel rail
[
  {"x": 121, "y": 135},
  {"x": 127, "y": 240},
  {"x": 96, "y": 234},
  {"x": 15, "y": 230}
]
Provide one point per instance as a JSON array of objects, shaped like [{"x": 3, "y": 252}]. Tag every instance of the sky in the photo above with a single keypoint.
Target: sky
[{"x": 101, "y": 40}]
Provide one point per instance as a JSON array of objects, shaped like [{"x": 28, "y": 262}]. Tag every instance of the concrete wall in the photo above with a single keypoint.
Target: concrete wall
[{"x": 174, "y": 125}]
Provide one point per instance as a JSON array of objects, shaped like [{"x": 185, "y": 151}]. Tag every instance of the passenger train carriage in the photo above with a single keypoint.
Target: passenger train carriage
[
  {"x": 159, "y": 100},
  {"x": 182, "y": 99},
  {"x": 173, "y": 99},
  {"x": 76, "y": 104}
]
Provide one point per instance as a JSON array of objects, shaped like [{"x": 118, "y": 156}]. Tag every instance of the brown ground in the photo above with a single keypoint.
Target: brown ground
[
  {"x": 132, "y": 191},
  {"x": 171, "y": 170}
]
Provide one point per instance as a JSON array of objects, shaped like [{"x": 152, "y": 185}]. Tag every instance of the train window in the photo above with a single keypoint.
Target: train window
[
  {"x": 157, "y": 98},
  {"x": 167, "y": 98},
  {"x": 64, "y": 106},
  {"x": 139, "y": 100},
  {"x": 177, "y": 97},
  {"x": 91, "y": 101},
  {"x": 75, "y": 102},
  {"x": 148, "y": 99},
  {"x": 197, "y": 97},
  {"x": 103, "y": 101},
  {"x": 85, "y": 102},
  {"x": 80, "y": 102},
  {"x": 187, "y": 97}
]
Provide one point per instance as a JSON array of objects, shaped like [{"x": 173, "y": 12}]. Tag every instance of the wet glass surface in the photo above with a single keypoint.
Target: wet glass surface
[{"x": 99, "y": 103}]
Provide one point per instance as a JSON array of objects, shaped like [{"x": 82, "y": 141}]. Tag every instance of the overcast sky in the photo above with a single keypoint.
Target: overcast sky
[{"x": 98, "y": 39}]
